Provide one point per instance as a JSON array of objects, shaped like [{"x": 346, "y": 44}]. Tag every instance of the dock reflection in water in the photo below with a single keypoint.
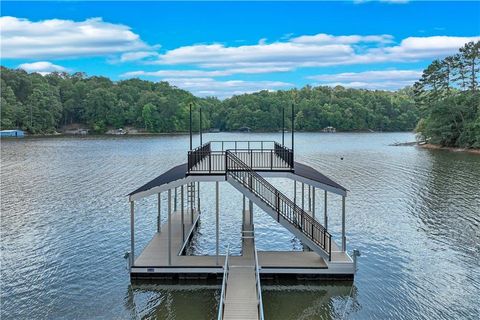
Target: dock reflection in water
[{"x": 290, "y": 300}]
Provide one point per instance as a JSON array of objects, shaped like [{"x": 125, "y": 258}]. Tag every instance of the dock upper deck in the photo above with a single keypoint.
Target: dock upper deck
[{"x": 208, "y": 163}]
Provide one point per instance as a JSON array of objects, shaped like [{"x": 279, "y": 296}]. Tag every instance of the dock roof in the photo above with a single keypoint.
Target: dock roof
[{"x": 302, "y": 172}]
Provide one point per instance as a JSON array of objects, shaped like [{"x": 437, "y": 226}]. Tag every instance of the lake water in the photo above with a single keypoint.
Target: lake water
[{"x": 414, "y": 214}]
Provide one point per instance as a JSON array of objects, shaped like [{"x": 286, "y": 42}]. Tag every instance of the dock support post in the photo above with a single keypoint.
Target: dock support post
[
  {"x": 175, "y": 200},
  {"x": 295, "y": 191},
  {"x": 250, "y": 209},
  {"x": 198, "y": 197},
  {"x": 344, "y": 240},
  {"x": 217, "y": 215},
  {"x": 312, "y": 203},
  {"x": 303, "y": 196},
  {"x": 325, "y": 218},
  {"x": 192, "y": 200},
  {"x": 182, "y": 210},
  {"x": 132, "y": 233},
  {"x": 243, "y": 215},
  {"x": 309, "y": 198},
  {"x": 169, "y": 227},
  {"x": 159, "y": 216}
]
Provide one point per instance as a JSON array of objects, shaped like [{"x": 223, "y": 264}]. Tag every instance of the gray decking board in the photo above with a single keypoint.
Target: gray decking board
[{"x": 241, "y": 299}]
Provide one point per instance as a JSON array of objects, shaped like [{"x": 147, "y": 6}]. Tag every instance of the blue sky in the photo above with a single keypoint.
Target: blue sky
[{"x": 230, "y": 48}]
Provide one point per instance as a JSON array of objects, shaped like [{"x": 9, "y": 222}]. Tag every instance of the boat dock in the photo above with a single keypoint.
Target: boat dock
[{"x": 245, "y": 165}]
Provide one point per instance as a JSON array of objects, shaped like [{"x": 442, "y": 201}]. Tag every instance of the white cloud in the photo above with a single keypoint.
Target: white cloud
[
  {"x": 315, "y": 51},
  {"x": 223, "y": 89},
  {"x": 42, "y": 67},
  {"x": 382, "y": 79},
  {"x": 55, "y": 38},
  {"x": 426, "y": 47},
  {"x": 203, "y": 73},
  {"x": 138, "y": 55},
  {"x": 323, "y": 38}
]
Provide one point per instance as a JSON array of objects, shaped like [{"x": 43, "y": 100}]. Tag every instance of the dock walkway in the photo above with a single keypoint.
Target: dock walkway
[{"x": 241, "y": 300}]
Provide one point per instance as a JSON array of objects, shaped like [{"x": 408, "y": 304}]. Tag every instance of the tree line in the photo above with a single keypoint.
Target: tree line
[
  {"x": 46, "y": 103},
  {"x": 448, "y": 99}
]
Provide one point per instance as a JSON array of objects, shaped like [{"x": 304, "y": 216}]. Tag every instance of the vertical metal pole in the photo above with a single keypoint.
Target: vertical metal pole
[
  {"x": 344, "y": 239},
  {"x": 309, "y": 198},
  {"x": 250, "y": 209},
  {"x": 192, "y": 200},
  {"x": 200, "y": 128},
  {"x": 293, "y": 127},
  {"x": 169, "y": 226},
  {"x": 159, "y": 217},
  {"x": 217, "y": 215},
  {"x": 175, "y": 201},
  {"x": 313, "y": 203},
  {"x": 243, "y": 213},
  {"x": 182, "y": 210},
  {"x": 325, "y": 221},
  {"x": 132, "y": 233},
  {"x": 283, "y": 125},
  {"x": 198, "y": 197},
  {"x": 190, "y": 126},
  {"x": 303, "y": 196},
  {"x": 295, "y": 191}
]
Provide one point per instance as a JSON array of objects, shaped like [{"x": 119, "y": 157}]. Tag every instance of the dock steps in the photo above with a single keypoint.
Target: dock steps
[{"x": 242, "y": 177}]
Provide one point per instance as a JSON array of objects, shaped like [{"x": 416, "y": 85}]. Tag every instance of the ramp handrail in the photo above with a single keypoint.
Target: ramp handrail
[
  {"x": 258, "y": 286},
  {"x": 284, "y": 207},
  {"x": 224, "y": 286}
]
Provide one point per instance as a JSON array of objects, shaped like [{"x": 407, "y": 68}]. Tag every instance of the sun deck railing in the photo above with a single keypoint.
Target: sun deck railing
[
  {"x": 284, "y": 207},
  {"x": 270, "y": 156}
]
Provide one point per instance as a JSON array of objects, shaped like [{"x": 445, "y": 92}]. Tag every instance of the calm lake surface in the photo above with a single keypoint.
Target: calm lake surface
[{"x": 414, "y": 214}]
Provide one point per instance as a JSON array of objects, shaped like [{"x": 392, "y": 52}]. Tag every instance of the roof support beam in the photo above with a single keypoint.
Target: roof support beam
[
  {"x": 132, "y": 233},
  {"x": 344, "y": 239},
  {"x": 170, "y": 227},
  {"x": 159, "y": 215}
]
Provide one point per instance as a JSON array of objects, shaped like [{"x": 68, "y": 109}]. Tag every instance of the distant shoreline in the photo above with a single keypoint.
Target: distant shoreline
[{"x": 452, "y": 149}]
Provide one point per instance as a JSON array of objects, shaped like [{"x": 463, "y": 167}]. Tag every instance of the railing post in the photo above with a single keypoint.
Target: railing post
[
  {"x": 226, "y": 168},
  {"x": 209, "y": 162},
  {"x": 330, "y": 248},
  {"x": 271, "y": 160},
  {"x": 278, "y": 205}
]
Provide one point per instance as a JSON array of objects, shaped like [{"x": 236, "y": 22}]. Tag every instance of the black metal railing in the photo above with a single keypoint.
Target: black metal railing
[
  {"x": 284, "y": 153},
  {"x": 198, "y": 154},
  {"x": 210, "y": 159},
  {"x": 224, "y": 145},
  {"x": 283, "y": 206}
]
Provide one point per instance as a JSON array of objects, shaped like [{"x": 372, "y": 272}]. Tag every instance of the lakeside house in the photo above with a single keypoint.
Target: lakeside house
[
  {"x": 329, "y": 129},
  {"x": 12, "y": 133}
]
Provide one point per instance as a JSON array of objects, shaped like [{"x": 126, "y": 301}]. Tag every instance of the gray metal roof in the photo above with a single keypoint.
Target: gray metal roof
[{"x": 179, "y": 172}]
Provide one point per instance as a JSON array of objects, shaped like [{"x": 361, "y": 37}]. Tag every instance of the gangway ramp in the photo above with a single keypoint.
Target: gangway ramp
[
  {"x": 241, "y": 296},
  {"x": 241, "y": 299}
]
